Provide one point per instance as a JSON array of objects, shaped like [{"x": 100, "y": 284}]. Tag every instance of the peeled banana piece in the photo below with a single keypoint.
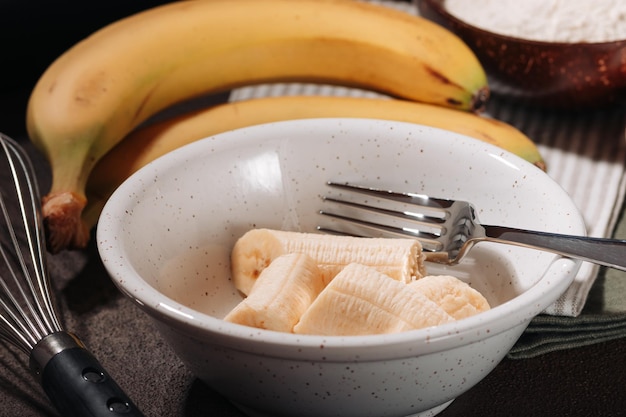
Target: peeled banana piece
[
  {"x": 400, "y": 259},
  {"x": 361, "y": 300},
  {"x": 454, "y": 296},
  {"x": 95, "y": 93},
  {"x": 283, "y": 292},
  {"x": 150, "y": 142}
]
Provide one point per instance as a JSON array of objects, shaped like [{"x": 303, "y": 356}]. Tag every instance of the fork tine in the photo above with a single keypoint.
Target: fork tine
[
  {"x": 427, "y": 225},
  {"x": 390, "y": 214},
  {"x": 409, "y": 198},
  {"x": 357, "y": 227},
  {"x": 421, "y": 217}
]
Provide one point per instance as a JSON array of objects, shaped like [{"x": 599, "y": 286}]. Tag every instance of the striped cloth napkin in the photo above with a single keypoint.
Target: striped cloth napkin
[{"x": 586, "y": 154}]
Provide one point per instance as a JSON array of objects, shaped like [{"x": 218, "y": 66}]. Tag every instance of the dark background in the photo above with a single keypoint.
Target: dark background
[{"x": 34, "y": 32}]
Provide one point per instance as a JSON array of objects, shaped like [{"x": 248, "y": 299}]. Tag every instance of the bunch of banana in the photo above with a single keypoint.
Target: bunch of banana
[
  {"x": 148, "y": 143},
  {"x": 337, "y": 285},
  {"x": 95, "y": 93}
]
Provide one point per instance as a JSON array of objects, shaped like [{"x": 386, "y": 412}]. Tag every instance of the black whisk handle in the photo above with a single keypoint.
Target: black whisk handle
[{"x": 76, "y": 383}]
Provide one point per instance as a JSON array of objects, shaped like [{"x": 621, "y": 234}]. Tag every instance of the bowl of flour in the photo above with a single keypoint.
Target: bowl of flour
[{"x": 552, "y": 53}]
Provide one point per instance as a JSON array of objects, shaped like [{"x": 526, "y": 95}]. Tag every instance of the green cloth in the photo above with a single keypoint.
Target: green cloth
[{"x": 602, "y": 319}]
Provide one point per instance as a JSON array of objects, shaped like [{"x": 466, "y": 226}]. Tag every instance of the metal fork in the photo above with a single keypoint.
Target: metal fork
[{"x": 447, "y": 228}]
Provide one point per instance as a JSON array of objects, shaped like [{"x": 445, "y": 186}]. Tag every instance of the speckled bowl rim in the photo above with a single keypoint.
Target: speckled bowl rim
[{"x": 515, "y": 312}]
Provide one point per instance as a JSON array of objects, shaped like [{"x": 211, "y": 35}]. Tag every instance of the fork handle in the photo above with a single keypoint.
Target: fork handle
[{"x": 606, "y": 252}]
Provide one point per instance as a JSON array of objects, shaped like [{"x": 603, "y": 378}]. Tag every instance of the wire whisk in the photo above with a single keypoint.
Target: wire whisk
[{"x": 71, "y": 376}]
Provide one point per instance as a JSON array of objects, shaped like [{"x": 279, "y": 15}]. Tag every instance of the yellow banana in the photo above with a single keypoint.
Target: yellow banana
[
  {"x": 360, "y": 300},
  {"x": 401, "y": 259},
  {"x": 104, "y": 86},
  {"x": 150, "y": 142},
  {"x": 281, "y": 294}
]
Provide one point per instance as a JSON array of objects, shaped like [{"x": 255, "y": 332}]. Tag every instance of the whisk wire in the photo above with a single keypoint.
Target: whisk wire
[
  {"x": 21, "y": 323},
  {"x": 25, "y": 328},
  {"x": 36, "y": 244},
  {"x": 16, "y": 324}
]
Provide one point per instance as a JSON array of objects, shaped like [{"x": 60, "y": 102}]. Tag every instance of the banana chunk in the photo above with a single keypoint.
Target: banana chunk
[
  {"x": 401, "y": 259},
  {"x": 453, "y": 295},
  {"x": 284, "y": 290},
  {"x": 361, "y": 300}
]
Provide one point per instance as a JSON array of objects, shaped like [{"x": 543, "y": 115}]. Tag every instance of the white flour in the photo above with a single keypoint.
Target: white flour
[{"x": 546, "y": 20}]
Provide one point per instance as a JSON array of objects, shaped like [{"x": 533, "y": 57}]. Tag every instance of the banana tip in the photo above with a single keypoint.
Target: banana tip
[
  {"x": 480, "y": 99},
  {"x": 62, "y": 221},
  {"x": 542, "y": 165}
]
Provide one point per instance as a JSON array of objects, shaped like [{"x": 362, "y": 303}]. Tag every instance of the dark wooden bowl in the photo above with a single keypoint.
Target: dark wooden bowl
[{"x": 550, "y": 74}]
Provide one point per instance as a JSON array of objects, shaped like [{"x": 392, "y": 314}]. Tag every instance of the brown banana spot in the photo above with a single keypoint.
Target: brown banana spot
[
  {"x": 92, "y": 88},
  {"x": 454, "y": 102},
  {"x": 136, "y": 116},
  {"x": 478, "y": 100},
  {"x": 439, "y": 76}
]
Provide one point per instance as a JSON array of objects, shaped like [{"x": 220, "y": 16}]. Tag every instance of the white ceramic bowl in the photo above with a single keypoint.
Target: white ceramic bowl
[{"x": 166, "y": 233}]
